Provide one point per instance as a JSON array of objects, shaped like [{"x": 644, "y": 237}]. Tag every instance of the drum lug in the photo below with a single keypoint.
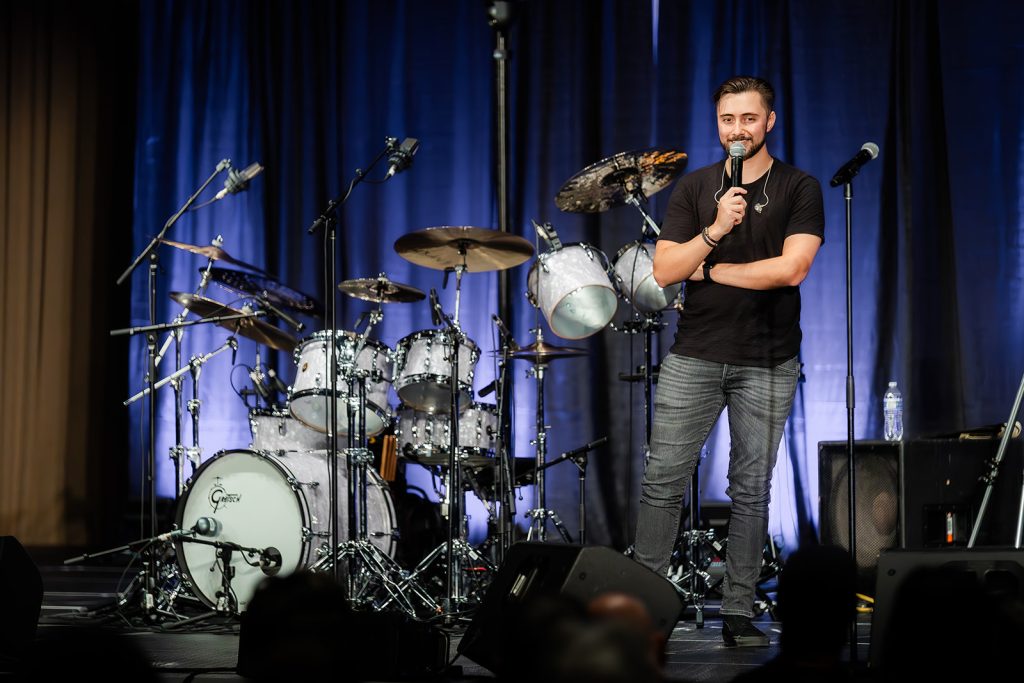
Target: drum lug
[
  {"x": 308, "y": 533},
  {"x": 295, "y": 483}
]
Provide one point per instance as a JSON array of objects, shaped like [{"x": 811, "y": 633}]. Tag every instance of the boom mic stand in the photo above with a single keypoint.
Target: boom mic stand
[{"x": 150, "y": 253}]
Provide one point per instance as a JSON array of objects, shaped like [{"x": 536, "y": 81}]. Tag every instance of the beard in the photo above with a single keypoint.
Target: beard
[{"x": 753, "y": 150}]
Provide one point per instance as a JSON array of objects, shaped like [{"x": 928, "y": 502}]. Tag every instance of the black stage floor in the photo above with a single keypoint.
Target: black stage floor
[{"x": 208, "y": 650}]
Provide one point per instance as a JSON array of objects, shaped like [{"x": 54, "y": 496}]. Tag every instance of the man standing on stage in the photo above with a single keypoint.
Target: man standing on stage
[{"x": 743, "y": 252}]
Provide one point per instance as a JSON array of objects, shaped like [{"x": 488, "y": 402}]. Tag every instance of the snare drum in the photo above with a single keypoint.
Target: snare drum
[
  {"x": 276, "y": 430},
  {"x": 279, "y": 502},
  {"x": 306, "y": 400},
  {"x": 572, "y": 288},
  {"x": 424, "y": 437},
  {"x": 634, "y": 274},
  {"x": 423, "y": 370}
]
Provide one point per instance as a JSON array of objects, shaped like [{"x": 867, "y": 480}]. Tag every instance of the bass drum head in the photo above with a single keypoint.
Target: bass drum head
[{"x": 248, "y": 495}]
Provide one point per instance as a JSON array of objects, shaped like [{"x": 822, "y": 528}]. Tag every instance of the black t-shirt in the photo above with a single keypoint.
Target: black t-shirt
[{"x": 730, "y": 324}]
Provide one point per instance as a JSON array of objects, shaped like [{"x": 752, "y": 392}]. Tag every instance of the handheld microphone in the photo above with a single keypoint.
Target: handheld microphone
[
  {"x": 401, "y": 158},
  {"x": 736, "y": 153},
  {"x": 238, "y": 181},
  {"x": 868, "y": 151}
]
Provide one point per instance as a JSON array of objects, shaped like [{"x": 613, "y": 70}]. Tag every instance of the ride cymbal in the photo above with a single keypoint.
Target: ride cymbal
[
  {"x": 610, "y": 182},
  {"x": 258, "y": 330},
  {"x": 381, "y": 290},
  {"x": 480, "y": 249},
  {"x": 541, "y": 352}
]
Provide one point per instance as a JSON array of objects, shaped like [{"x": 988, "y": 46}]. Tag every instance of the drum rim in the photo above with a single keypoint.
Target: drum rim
[
  {"x": 437, "y": 332},
  {"x": 321, "y": 335},
  {"x": 179, "y": 545},
  {"x": 565, "y": 245}
]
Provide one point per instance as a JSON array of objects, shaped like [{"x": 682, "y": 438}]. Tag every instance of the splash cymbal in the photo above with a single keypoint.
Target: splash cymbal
[
  {"x": 212, "y": 252},
  {"x": 481, "y": 249},
  {"x": 381, "y": 290},
  {"x": 610, "y": 182},
  {"x": 253, "y": 328}
]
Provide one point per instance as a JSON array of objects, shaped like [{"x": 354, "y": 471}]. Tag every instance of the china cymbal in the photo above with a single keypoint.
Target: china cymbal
[
  {"x": 254, "y": 328},
  {"x": 212, "y": 252},
  {"x": 482, "y": 249},
  {"x": 541, "y": 352},
  {"x": 611, "y": 181},
  {"x": 381, "y": 290},
  {"x": 266, "y": 287}
]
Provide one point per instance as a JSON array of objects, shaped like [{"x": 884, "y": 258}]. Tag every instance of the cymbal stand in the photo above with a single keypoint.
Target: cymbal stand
[{"x": 540, "y": 514}]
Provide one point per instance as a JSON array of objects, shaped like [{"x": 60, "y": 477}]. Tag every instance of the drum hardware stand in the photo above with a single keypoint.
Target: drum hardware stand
[
  {"x": 579, "y": 457},
  {"x": 504, "y": 481},
  {"x": 539, "y": 515},
  {"x": 993, "y": 471}
]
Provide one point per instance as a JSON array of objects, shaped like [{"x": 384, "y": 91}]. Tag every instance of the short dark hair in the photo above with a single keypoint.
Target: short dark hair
[{"x": 741, "y": 84}]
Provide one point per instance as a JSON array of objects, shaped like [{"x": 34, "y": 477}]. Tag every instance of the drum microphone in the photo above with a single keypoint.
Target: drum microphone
[
  {"x": 275, "y": 382},
  {"x": 736, "y": 153},
  {"x": 435, "y": 315},
  {"x": 238, "y": 181},
  {"x": 505, "y": 332},
  {"x": 257, "y": 384},
  {"x": 204, "y": 526},
  {"x": 270, "y": 561},
  {"x": 401, "y": 158}
]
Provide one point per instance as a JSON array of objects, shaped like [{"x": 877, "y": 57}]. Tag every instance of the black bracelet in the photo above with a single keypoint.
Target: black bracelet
[
  {"x": 707, "y": 238},
  {"x": 707, "y": 271}
]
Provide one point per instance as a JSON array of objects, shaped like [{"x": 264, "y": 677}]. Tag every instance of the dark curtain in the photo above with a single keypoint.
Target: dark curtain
[{"x": 311, "y": 89}]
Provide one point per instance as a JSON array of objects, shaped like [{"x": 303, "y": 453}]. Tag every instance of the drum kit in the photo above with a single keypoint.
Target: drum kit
[{"x": 247, "y": 513}]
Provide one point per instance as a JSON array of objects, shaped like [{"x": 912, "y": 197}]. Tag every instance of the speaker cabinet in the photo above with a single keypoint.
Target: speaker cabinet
[
  {"x": 879, "y": 515},
  {"x": 998, "y": 572},
  {"x": 21, "y": 598},
  {"x": 532, "y": 570}
]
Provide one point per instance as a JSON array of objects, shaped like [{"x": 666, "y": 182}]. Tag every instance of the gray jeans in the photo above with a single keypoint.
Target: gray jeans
[{"x": 691, "y": 395}]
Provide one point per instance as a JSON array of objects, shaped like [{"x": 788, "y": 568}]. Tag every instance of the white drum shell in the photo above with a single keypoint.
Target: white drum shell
[
  {"x": 260, "y": 500},
  {"x": 306, "y": 399},
  {"x": 423, "y": 370},
  {"x": 277, "y": 430},
  {"x": 425, "y": 437},
  {"x": 573, "y": 290},
  {"x": 634, "y": 274}
]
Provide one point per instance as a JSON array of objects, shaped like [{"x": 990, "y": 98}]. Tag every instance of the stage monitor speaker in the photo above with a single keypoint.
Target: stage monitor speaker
[
  {"x": 21, "y": 599},
  {"x": 999, "y": 571},
  {"x": 531, "y": 570},
  {"x": 879, "y": 512}
]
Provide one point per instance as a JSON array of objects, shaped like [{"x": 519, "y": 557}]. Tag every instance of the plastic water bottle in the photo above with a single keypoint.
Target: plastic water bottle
[{"x": 892, "y": 410}]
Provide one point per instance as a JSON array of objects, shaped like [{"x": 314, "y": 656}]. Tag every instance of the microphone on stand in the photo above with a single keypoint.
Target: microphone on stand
[
  {"x": 204, "y": 526},
  {"x": 736, "y": 153},
  {"x": 401, "y": 158},
  {"x": 238, "y": 181},
  {"x": 274, "y": 381},
  {"x": 505, "y": 332},
  {"x": 270, "y": 561},
  {"x": 435, "y": 315},
  {"x": 868, "y": 151}
]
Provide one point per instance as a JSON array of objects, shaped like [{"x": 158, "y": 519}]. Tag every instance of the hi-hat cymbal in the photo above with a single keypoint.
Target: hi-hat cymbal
[
  {"x": 611, "y": 181},
  {"x": 381, "y": 290},
  {"x": 212, "y": 252},
  {"x": 265, "y": 287},
  {"x": 258, "y": 330},
  {"x": 541, "y": 352},
  {"x": 481, "y": 249}
]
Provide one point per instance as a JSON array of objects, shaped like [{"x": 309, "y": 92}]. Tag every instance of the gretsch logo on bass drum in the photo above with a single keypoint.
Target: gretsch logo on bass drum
[{"x": 220, "y": 497}]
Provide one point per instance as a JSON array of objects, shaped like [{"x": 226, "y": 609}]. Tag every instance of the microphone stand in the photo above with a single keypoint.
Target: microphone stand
[
  {"x": 150, "y": 253},
  {"x": 328, "y": 220},
  {"x": 850, "y": 402}
]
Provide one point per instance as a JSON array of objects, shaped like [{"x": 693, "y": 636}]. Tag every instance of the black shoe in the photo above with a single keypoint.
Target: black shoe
[{"x": 739, "y": 631}]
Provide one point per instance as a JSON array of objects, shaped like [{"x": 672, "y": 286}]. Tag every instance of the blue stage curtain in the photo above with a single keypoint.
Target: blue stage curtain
[{"x": 311, "y": 89}]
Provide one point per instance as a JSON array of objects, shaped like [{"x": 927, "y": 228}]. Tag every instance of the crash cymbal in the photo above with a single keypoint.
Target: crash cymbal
[
  {"x": 381, "y": 290},
  {"x": 541, "y": 352},
  {"x": 611, "y": 181},
  {"x": 254, "y": 328},
  {"x": 266, "y": 287},
  {"x": 482, "y": 249},
  {"x": 212, "y": 252}
]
